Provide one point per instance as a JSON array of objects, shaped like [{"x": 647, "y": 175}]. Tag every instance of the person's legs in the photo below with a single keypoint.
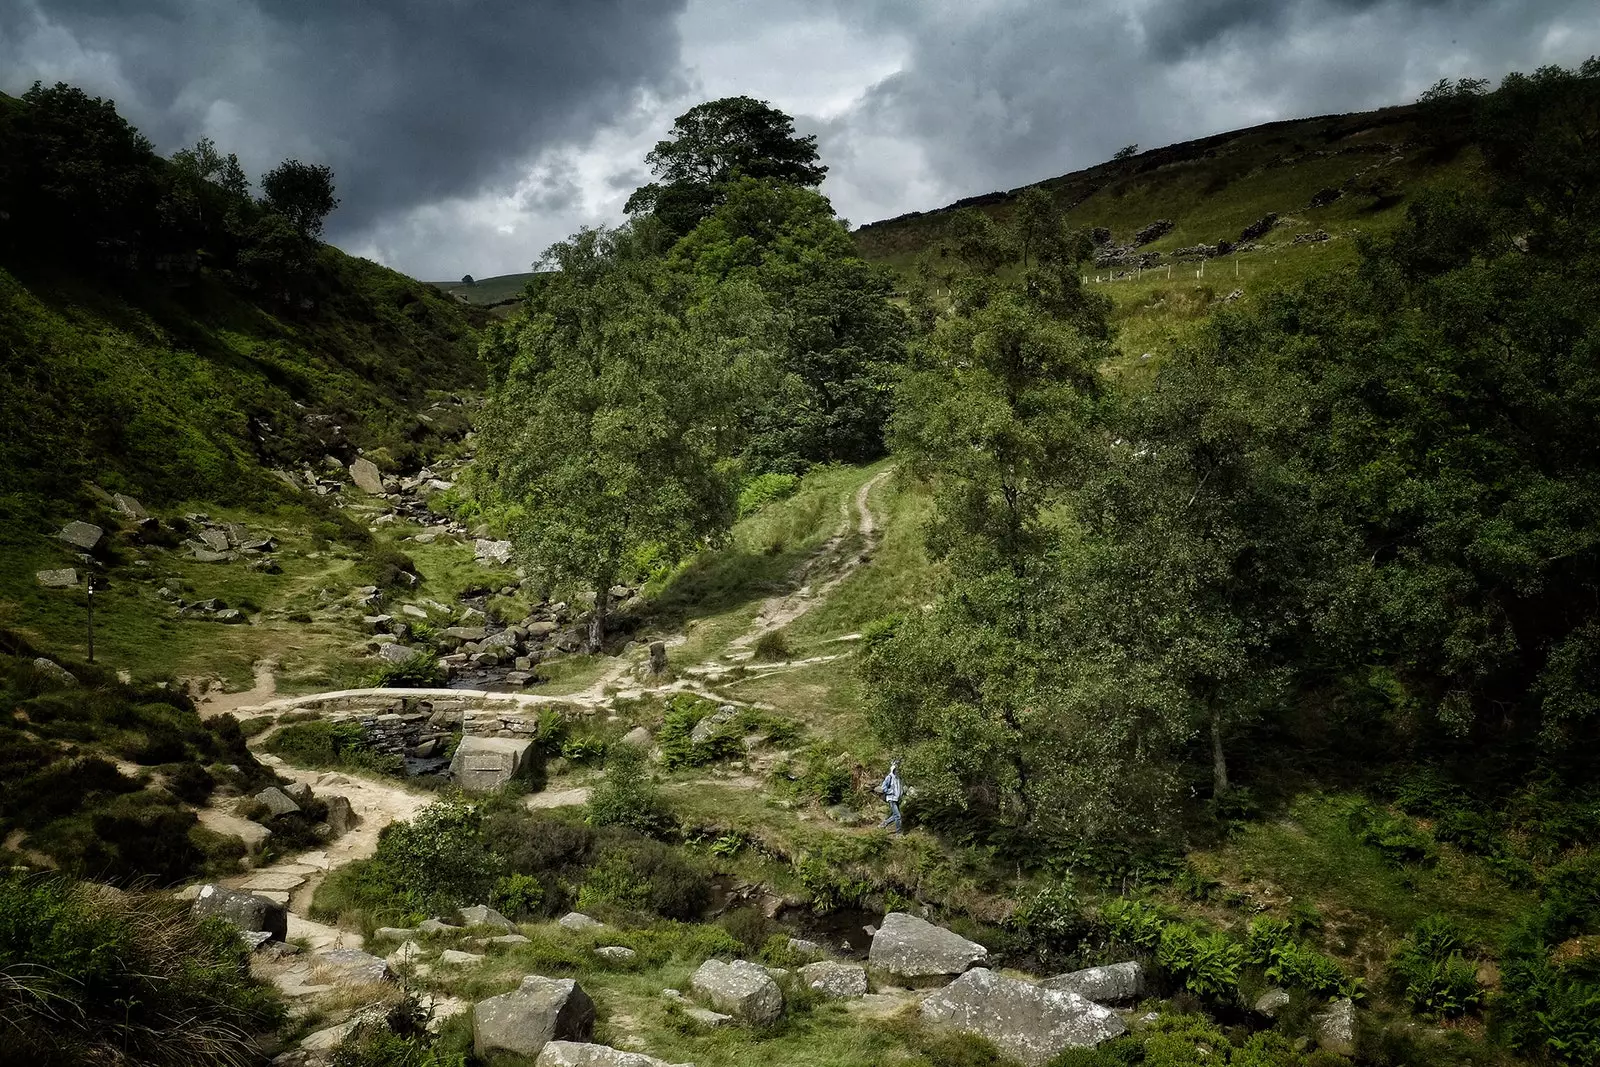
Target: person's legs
[{"x": 894, "y": 818}]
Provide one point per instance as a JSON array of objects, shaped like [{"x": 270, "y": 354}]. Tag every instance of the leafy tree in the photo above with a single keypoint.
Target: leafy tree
[
  {"x": 610, "y": 424},
  {"x": 836, "y": 335},
  {"x": 301, "y": 193},
  {"x": 714, "y": 143},
  {"x": 204, "y": 162},
  {"x": 1125, "y": 153}
]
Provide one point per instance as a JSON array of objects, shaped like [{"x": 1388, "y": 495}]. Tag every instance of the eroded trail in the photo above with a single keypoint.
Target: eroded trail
[{"x": 831, "y": 559}]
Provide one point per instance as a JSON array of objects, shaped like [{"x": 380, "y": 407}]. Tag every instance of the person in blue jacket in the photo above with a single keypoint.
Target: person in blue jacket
[{"x": 892, "y": 791}]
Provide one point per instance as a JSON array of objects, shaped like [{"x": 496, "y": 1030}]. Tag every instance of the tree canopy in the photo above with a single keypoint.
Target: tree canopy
[{"x": 715, "y": 143}]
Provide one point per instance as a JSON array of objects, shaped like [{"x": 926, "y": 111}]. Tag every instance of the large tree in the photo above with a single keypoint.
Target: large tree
[
  {"x": 301, "y": 193},
  {"x": 715, "y": 143},
  {"x": 838, "y": 338},
  {"x": 610, "y": 426}
]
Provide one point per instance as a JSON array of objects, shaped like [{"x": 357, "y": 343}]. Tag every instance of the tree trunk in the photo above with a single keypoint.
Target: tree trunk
[
  {"x": 597, "y": 618},
  {"x": 1219, "y": 762}
]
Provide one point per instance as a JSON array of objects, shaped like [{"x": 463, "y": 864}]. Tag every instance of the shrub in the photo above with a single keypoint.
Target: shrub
[
  {"x": 1432, "y": 974},
  {"x": 684, "y": 713},
  {"x": 1133, "y": 922},
  {"x": 772, "y": 646},
  {"x": 421, "y": 671},
  {"x": 1051, "y": 922},
  {"x": 1394, "y": 837},
  {"x": 1206, "y": 964},
  {"x": 763, "y": 489},
  {"x": 518, "y": 896},
  {"x": 1270, "y": 944},
  {"x": 433, "y": 864},
  {"x": 640, "y": 875},
  {"x": 90, "y": 975},
  {"x": 319, "y": 743},
  {"x": 627, "y": 796}
]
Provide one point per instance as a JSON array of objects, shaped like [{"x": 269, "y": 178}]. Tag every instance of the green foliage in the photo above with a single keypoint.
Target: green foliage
[
  {"x": 609, "y": 426},
  {"x": 89, "y": 975},
  {"x": 713, "y": 145},
  {"x": 1395, "y": 837},
  {"x": 301, "y": 193},
  {"x": 1206, "y": 964},
  {"x": 320, "y": 743},
  {"x": 763, "y": 489},
  {"x": 1431, "y": 972},
  {"x": 1051, "y": 923},
  {"x": 640, "y": 875},
  {"x": 518, "y": 896},
  {"x": 1133, "y": 922},
  {"x": 431, "y": 865},
  {"x": 684, "y": 713},
  {"x": 627, "y": 796}
]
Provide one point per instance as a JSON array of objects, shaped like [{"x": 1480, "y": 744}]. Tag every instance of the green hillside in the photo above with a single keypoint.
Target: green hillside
[
  {"x": 486, "y": 292},
  {"x": 1334, "y": 175}
]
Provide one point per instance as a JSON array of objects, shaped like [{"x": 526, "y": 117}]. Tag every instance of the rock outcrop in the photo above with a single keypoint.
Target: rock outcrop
[
  {"x": 1023, "y": 1020},
  {"x": 843, "y": 981},
  {"x": 911, "y": 948},
  {"x": 367, "y": 477},
  {"x": 484, "y": 764},
  {"x": 245, "y": 910},
  {"x": 1111, "y": 984},
  {"x": 741, "y": 989},
  {"x": 1336, "y": 1027},
  {"x": 529, "y": 1017},
  {"x": 583, "y": 1054},
  {"x": 482, "y": 915}
]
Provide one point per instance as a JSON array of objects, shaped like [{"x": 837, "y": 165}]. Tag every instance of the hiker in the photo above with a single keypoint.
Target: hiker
[{"x": 892, "y": 791}]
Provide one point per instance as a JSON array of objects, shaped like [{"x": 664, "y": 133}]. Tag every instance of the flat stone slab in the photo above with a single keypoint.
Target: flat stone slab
[
  {"x": 61, "y": 578},
  {"x": 484, "y": 764},
  {"x": 451, "y": 957},
  {"x": 529, "y": 1017},
  {"x": 84, "y": 535},
  {"x": 1023, "y": 1020},
  {"x": 352, "y": 965},
  {"x": 585, "y": 1054},
  {"x": 915, "y": 948},
  {"x": 273, "y": 879},
  {"x": 844, "y": 981},
  {"x": 1111, "y": 984}
]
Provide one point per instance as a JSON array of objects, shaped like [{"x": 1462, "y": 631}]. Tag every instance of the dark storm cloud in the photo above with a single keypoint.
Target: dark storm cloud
[
  {"x": 410, "y": 101},
  {"x": 998, "y": 93}
]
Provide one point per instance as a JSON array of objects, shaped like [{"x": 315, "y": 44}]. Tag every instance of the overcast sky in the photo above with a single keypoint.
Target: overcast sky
[{"x": 467, "y": 135}]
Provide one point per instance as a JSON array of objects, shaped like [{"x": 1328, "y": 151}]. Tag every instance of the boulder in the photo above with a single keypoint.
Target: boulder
[
  {"x": 537, "y": 1012},
  {"x": 712, "y": 724},
  {"x": 616, "y": 953},
  {"x": 215, "y": 540},
  {"x": 247, "y": 911},
  {"x": 408, "y": 954},
  {"x": 741, "y": 989},
  {"x": 82, "y": 535},
  {"x": 128, "y": 506},
  {"x": 1023, "y": 1020},
  {"x": 508, "y": 940},
  {"x": 1111, "y": 984},
  {"x": 1336, "y": 1027},
  {"x": 207, "y": 555},
  {"x": 466, "y": 633},
  {"x": 841, "y": 980},
  {"x": 639, "y": 737},
  {"x": 434, "y": 926},
  {"x": 909, "y": 947},
  {"x": 349, "y": 965},
  {"x": 299, "y": 792},
  {"x": 496, "y": 553},
  {"x": 231, "y": 616},
  {"x": 1272, "y": 1001},
  {"x": 277, "y": 801},
  {"x": 577, "y": 920},
  {"x": 341, "y": 816},
  {"x": 397, "y": 653},
  {"x": 584, "y": 1054},
  {"x": 61, "y": 578},
  {"x": 658, "y": 657},
  {"x": 54, "y": 671},
  {"x": 482, "y": 915},
  {"x": 367, "y": 476},
  {"x": 399, "y": 933},
  {"x": 484, "y": 764},
  {"x": 806, "y": 948},
  {"x": 452, "y": 957}
]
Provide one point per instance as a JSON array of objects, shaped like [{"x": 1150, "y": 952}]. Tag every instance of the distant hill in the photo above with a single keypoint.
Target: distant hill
[
  {"x": 487, "y": 292},
  {"x": 1213, "y": 187}
]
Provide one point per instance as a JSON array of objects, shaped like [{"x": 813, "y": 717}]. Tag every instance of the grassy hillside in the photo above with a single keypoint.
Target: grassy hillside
[
  {"x": 1339, "y": 175},
  {"x": 485, "y": 292}
]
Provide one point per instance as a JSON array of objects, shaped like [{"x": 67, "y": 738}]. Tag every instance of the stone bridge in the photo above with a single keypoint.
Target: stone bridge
[{"x": 399, "y": 720}]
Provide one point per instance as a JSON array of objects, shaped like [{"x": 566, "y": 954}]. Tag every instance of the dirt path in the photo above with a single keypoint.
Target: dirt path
[
  {"x": 215, "y": 702},
  {"x": 779, "y": 611}
]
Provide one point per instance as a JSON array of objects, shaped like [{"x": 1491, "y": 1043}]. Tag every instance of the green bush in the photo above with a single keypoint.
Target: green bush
[
  {"x": 90, "y": 975},
  {"x": 1399, "y": 842},
  {"x": 319, "y": 743},
  {"x": 1051, "y": 922},
  {"x": 1431, "y": 972},
  {"x": 636, "y": 874},
  {"x": 684, "y": 712},
  {"x": 772, "y": 646},
  {"x": 421, "y": 671},
  {"x": 765, "y": 488},
  {"x": 627, "y": 796},
  {"x": 518, "y": 896},
  {"x": 1206, "y": 964},
  {"x": 1133, "y": 922},
  {"x": 1270, "y": 944},
  {"x": 431, "y": 865}
]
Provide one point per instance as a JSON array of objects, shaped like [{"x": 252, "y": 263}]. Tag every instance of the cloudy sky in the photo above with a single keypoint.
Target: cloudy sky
[{"x": 467, "y": 135}]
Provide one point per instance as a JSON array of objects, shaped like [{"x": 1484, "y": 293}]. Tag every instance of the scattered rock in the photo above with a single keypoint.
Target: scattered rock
[
  {"x": 299, "y": 792},
  {"x": 496, "y": 553},
  {"x": 63, "y": 578},
  {"x": 367, "y": 477},
  {"x": 583, "y": 1054},
  {"x": 484, "y": 764},
  {"x": 712, "y": 724},
  {"x": 1336, "y": 1028},
  {"x": 128, "y": 506},
  {"x": 408, "y": 954},
  {"x": 352, "y": 965},
  {"x": 537, "y": 1012},
  {"x": 342, "y": 816},
  {"x": 247, "y": 911},
  {"x": 1110, "y": 984},
  {"x": 741, "y": 989},
  {"x": 277, "y": 801},
  {"x": 1023, "y": 1020},
  {"x": 577, "y": 920},
  {"x": 215, "y": 540},
  {"x": 1314, "y": 237},
  {"x": 1153, "y": 232},
  {"x": 398, "y": 933},
  {"x": 81, "y": 535},
  {"x": 455, "y": 958},
  {"x": 616, "y": 953},
  {"x": 434, "y": 926},
  {"x": 397, "y": 653},
  {"x": 639, "y": 737},
  {"x": 482, "y": 915},
  {"x": 909, "y": 947},
  {"x": 508, "y": 940},
  {"x": 841, "y": 980},
  {"x": 806, "y": 948},
  {"x": 658, "y": 657},
  {"x": 54, "y": 671},
  {"x": 1272, "y": 1001},
  {"x": 1259, "y": 228}
]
